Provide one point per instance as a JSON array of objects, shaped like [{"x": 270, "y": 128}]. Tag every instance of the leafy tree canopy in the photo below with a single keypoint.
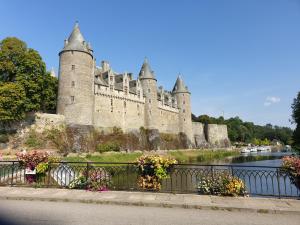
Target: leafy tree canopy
[
  {"x": 240, "y": 131},
  {"x": 12, "y": 101},
  {"x": 24, "y": 66},
  {"x": 296, "y": 119}
]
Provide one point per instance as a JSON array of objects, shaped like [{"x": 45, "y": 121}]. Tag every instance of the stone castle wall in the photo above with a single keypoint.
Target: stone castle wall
[
  {"x": 114, "y": 110},
  {"x": 217, "y": 135},
  {"x": 76, "y": 84}
]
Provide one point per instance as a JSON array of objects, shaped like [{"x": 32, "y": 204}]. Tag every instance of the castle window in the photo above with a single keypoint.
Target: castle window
[
  {"x": 125, "y": 90},
  {"x": 124, "y": 104},
  {"x": 73, "y": 83},
  {"x": 139, "y": 94},
  {"x": 111, "y": 78},
  {"x": 72, "y": 99},
  {"x": 149, "y": 100},
  {"x": 73, "y": 67},
  {"x": 148, "y": 90},
  {"x": 183, "y": 110},
  {"x": 111, "y": 87},
  {"x": 111, "y": 105},
  {"x": 183, "y": 102}
]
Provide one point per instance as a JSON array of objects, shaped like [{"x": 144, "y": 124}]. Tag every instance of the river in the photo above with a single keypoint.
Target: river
[{"x": 257, "y": 170}]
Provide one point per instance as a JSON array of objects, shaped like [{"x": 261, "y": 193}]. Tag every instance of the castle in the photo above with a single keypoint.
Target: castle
[{"x": 100, "y": 97}]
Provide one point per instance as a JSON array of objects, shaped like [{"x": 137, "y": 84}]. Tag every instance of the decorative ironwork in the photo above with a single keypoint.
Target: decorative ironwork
[{"x": 184, "y": 178}]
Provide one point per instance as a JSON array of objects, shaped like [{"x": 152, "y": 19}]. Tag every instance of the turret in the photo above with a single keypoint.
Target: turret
[
  {"x": 149, "y": 85},
  {"x": 182, "y": 95},
  {"x": 76, "y": 80}
]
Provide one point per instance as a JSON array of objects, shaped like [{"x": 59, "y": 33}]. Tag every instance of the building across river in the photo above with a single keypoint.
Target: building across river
[{"x": 98, "y": 96}]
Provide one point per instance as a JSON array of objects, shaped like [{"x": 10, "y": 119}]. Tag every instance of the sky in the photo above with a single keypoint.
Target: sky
[{"x": 238, "y": 58}]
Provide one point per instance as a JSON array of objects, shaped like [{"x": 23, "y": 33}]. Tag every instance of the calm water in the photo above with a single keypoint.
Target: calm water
[{"x": 258, "y": 180}]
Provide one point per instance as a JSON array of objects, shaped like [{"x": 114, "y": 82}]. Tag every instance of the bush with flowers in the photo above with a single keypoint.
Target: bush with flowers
[
  {"x": 36, "y": 161},
  {"x": 92, "y": 180},
  {"x": 152, "y": 170},
  {"x": 291, "y": 164},
  {"x": 221, "y": 183}
]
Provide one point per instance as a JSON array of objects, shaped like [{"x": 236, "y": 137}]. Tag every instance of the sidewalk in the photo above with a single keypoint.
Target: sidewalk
[{"x": 260, "y": 205}]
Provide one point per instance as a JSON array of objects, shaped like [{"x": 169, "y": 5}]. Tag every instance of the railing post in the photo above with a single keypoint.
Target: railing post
[
  {"x": 278, "y": 182},
  {"x": 12, "y": 174},
  {"x": 87, "y": 174},
  {"x": 49, "y": 176}
]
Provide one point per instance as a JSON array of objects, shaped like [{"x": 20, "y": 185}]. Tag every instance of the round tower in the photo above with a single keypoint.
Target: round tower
[
  {"x": 149, "y": 85},
  {"x": 183, "y": 97},
  {"x": 76, "y": 80}
]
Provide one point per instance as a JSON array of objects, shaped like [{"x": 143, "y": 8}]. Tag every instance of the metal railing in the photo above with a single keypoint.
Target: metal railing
[{"x": 184, "y": 178}]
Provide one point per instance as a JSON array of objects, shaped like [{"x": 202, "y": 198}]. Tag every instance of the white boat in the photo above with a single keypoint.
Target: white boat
[
  {"x": 253, "y": 149},
  {"x": 245, "y": 150},
  {"x": 261, "y": 149}
]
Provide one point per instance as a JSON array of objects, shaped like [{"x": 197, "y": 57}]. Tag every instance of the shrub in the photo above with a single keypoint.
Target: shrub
[
  {"x": 108, "y": 147},
  {"x": 33, "y": 140},
  {"x": 4, "y": 138}
]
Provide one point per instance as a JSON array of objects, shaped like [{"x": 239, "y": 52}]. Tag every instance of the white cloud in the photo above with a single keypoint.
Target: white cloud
[{"x": 271, "y": 100}]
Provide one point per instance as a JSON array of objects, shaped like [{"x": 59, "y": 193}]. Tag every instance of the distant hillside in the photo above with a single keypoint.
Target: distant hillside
[{"x": 242, "y": 131}]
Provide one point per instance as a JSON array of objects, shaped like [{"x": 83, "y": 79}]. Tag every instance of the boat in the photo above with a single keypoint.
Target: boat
[
  {"x": 253, "y": 149},
  {"x": 245, "y": 150}
]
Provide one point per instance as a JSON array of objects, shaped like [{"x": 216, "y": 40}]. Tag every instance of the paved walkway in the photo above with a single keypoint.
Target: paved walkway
[{"x": 260, "y": 205}]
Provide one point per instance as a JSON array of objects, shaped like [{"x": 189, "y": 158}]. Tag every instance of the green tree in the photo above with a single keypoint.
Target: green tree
[
  {"x": 296, "y": 120},
  {"x": 24, "y": 66},
  {"x": 12, "y": 101}
]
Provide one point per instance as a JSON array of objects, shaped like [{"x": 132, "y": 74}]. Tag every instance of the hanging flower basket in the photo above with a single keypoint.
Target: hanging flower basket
[
  {"x": 152, "y": 170},
  {"x": 291, "y": 165}
]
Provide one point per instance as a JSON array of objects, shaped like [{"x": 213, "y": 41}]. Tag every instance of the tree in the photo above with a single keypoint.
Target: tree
[
  {"x": 12, "y": 100},
  {"x": 296, "y": 119},
  {"x": 25, "y": 67}
]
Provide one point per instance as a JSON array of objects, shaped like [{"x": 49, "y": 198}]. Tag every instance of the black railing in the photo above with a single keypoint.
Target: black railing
[{"x": 184, "y": 178}]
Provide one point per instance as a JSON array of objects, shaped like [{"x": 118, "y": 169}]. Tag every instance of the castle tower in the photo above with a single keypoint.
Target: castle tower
[
  {"x": 149, "y": 85},
  {"x": 184, "y": 105},
  {"x": 76, "y": 80}
]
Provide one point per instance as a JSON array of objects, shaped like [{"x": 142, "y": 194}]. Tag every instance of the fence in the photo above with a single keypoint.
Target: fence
[{"x": 184, "y": 178}]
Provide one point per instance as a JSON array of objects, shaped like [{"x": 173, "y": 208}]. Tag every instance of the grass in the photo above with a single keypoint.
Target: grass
[
  {"x": 106, "y": 157},
  {"x": 187, "y": 156},
  {"x": 192, "y": 156}
]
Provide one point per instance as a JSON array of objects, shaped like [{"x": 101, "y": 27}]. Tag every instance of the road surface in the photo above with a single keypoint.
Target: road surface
[{"x": 19, "y": 212}]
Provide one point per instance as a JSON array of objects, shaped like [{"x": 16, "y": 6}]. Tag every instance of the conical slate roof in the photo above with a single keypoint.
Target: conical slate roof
[
  {"x": 76, "y": 41},
  {"x": 146, "y": 71},
  {"x": 179, "y": 86}
]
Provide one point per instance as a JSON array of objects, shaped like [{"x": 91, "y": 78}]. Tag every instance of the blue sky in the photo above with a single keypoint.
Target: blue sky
[{"x": 238, "y": 58}]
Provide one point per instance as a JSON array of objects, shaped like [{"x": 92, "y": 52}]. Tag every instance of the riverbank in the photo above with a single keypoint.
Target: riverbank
[{"x": 182, "y": 156}]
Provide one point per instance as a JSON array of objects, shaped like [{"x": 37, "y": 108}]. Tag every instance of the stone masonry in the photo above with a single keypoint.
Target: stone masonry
[{"x": 98, "y": 96}]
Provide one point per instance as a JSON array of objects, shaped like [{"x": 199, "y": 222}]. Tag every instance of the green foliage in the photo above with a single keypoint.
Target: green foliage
[
  {"x": 24, "y": 67},
  {"x": 111, "y": 146},
  {"x": 42, "y": 168},
  {"x": 4, "y": 138},
  {"x": 12, "y": 102},
  {"x": 296, "y": 119},
  {"x": 152, "y": 169},
  {"x": 240, "y": 131},
  {"x": 33, "y": 140}
]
